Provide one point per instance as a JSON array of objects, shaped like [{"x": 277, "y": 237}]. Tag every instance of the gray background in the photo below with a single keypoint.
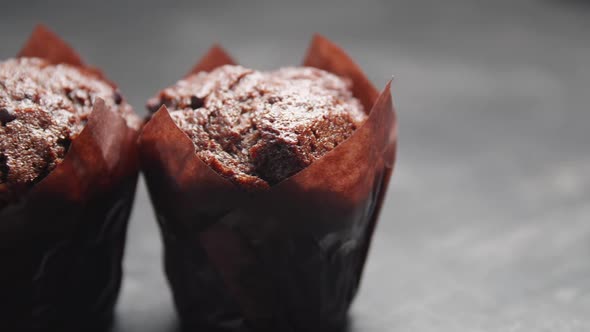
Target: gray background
[{"x": 487, "y": 222}]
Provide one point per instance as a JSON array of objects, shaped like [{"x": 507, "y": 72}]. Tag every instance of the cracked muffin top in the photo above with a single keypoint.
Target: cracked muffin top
[
  {"x": 259, "y": 128},
  {"x": 43, "y": 108}
]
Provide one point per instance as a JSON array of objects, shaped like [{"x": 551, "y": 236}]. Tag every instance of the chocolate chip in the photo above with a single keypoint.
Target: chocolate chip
[
  {"x": 118, "y": 97},
  {"x": 6, "y": 116},
  {"x": 196, "y": 102},
  {"x": 274, "y": 99},
  {"x": 154, "y": 104},
  {"x": 65, "y": 142},
  {"x": 75, "y": 97}
]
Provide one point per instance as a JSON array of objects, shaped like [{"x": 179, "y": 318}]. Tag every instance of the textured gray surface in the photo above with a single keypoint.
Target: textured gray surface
[{"x": 487, "y": 225}]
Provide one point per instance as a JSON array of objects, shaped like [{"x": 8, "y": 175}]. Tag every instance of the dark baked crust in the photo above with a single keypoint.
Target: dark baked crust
[
  {"x": 258, "y": 128},
  {"x": 43, "y": 108}
]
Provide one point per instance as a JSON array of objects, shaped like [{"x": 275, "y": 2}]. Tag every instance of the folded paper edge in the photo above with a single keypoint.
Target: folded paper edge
[
  {"x": 184, "y": 151},
  {"x": 317, "y": 56},
  {"x": 101, "y": 122},
  {"x": 215, "y": 57},
  {"x": 46, "y": 44}
]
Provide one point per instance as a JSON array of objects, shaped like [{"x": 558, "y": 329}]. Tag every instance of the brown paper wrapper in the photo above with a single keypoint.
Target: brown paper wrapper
[
  {"x": 286, "y": 259},
  {"x": 62, "y": 242}
]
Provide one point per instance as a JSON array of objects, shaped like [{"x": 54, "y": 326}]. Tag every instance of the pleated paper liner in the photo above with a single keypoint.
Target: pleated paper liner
[
  {"x": 62, "y": 241},
  {"x": 286, "y": 259}
]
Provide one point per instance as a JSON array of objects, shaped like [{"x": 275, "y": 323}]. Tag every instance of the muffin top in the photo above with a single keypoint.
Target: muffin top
[
  {"x": 43, "y": 108},
  {"x": 259, "y": 128}
]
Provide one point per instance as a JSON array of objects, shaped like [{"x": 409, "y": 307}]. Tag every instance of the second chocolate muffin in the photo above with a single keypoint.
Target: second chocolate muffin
[
  {"x": 259, "y": 128},
  {"x": 43, "y": 108},
  {"x": 68, "y": 172}
]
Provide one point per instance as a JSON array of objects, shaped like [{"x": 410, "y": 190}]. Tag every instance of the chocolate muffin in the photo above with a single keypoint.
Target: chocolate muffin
[
  {"x": 243, "y": 252},
  {"x": 43, "y": 108},
  {"x": 68, "y": 173},
  {"x": 259, "y": 128}
]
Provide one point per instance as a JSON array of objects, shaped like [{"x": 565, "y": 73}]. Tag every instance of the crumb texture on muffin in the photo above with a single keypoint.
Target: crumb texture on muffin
[
  {"x": 258, "y": 128},
  {"x": 43, "y": 108}
]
